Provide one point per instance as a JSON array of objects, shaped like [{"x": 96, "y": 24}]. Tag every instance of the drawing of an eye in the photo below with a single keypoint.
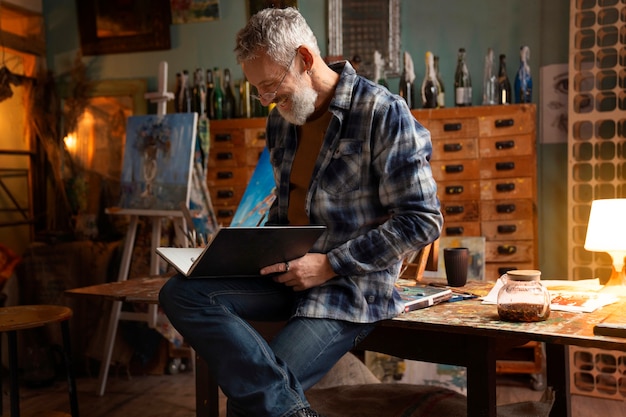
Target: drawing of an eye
[{"x": 561, "y": 83}]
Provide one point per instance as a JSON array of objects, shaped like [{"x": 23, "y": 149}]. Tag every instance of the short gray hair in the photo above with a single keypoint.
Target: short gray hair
[{"x": 278, "y": 33}]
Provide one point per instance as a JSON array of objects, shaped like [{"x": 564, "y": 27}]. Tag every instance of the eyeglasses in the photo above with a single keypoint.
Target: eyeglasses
[{"x": 269, "y": 97}]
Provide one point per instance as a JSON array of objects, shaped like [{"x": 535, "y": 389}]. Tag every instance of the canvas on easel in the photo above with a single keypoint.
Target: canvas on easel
[{"x": 158, "y": 158}]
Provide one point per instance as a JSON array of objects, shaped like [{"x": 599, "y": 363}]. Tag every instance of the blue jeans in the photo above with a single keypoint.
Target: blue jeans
[{"x": 260, "y": 378}]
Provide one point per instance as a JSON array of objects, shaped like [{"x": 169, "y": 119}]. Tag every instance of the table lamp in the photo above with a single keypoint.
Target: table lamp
[{"x": 606, "y": 232}]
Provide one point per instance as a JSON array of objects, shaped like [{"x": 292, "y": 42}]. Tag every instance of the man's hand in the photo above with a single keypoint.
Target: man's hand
[{"x": 311, "y": 270}]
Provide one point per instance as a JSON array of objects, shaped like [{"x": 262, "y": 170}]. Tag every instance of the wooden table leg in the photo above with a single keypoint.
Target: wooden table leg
[
  {"x": 481, "y": 377},
  {"x": 207, "y": 391},
  {"x": 557, "y": 369}
]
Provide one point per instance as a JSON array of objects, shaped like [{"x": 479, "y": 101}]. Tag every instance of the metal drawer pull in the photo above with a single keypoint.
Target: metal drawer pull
[
  {"x": 504, "y": 123},
  {"x": 261, "y": 135},
  {"x": 505, "y": 188},
  {"x": 224, "y": 156},
  {"x": 225, "y": 213},
  {"x": 452, "y": 147},
  {"x": 458, "y": 230},
  {"x": 452, "y": 127},
  {"x": 507, "y": 228},
  {"x": 225, "y": 193},
  {"x": 454, "y": 209},
  {"x": 224, "y": 175},
  {"x": 454, "y": 168},
  {"x": 454, "y": 189},
  {"x": 505, "y": 166},
  {"x": 222, "y": 137},
  {"x": 505, "y": 144},
  {"x": 507, "y": 249},
  {"x": 505, "y": 208},
  {"x": 504, "y": 269}
]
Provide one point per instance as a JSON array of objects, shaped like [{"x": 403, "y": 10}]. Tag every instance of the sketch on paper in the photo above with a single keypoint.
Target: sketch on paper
[{"x": 157, "y": 166}]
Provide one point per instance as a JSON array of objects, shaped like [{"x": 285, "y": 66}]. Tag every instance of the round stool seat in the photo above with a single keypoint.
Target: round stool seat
[{"x": 30, "y": 316}]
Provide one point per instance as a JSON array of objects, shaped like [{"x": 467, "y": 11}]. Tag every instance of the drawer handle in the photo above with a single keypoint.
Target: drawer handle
[
  {"x": 225, "y": 213},
  {"x": 225, "y": 194},
  {"x": 450, "y": 169},
  {"x": 505, "y": 208},
  {"x": 452, "y": 147},
  {"x": 505, "y": 144},
  {"x": 222, "y": 137},
  {"x": 507, "y": 249},
  {"x": 458, "y": 230},
  {"x": 224, "y": 156},
  {"x": 224, "y": 175},
  {"x": 505, "y": 188},
  {"x": 454, "y": 209},
  {"x": 504, "y": 123},
  {"x": 505, "y": 166},
  {"x": 454, "y": 189},
  {"x": 452, "y": 127},
  {"x": 507, "y": 228},
  {"x": 504, "y": 269},
  {"x": 261, "y": 135}
]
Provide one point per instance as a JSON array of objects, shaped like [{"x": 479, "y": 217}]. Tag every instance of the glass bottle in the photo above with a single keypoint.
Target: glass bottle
[
  {"x": 178, "y": 91},
  {"x": 430, "y": 86},
  {"x": 489, "y": 81},
  {"x": 218, "y": 96},
  {"x": 441, "y": 97},
  {"x": 462, "y": 82},
  {"x": 209, "y": 94},
  {"x": 230, "y": 102},
  {"x": 523, "y": 79},
  {"x": 504, "y": 85},
  {"x": 184, "y": 104},
  {"x": 245, "y": 106},
  {"x": 522, "y": 298},
  {"x": 199, "y": 92},
  {"x": 407, "y": 81}
]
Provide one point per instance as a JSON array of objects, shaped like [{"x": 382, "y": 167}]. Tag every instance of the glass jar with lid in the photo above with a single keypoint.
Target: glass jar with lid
[{"x": 522, "y": 298}]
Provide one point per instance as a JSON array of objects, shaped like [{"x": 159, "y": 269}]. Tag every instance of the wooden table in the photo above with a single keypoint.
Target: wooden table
[{"x": 463, "y": 333}]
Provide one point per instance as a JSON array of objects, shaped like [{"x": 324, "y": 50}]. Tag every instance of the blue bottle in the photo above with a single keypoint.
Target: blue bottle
[{"x": 523, "y": 79}]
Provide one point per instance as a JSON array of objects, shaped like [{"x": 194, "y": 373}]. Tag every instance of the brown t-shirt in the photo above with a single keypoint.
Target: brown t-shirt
[{"x": 311, "y": 136}]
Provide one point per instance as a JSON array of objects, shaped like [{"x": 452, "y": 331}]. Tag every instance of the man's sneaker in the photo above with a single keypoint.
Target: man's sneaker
[{"x": 306, "y": 412}]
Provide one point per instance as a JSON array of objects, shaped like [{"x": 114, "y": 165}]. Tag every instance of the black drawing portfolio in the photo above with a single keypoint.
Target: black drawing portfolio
[{"x": 242, "y": 251}]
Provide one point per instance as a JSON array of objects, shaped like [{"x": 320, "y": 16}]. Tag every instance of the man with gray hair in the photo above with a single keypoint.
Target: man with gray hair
[{"x": 346, "y": 154}]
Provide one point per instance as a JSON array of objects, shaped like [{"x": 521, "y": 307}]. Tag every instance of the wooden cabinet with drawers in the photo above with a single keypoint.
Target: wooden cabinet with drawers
[
  {"x": 236, "y": 145},
  {"x": 484, "y": 161}
]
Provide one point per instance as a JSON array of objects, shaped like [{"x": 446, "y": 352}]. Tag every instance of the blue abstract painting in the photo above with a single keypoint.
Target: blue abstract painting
[{"x": 158, "y": 157}]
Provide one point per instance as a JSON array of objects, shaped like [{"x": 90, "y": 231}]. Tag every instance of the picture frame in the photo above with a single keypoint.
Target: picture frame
[
  {"x": 255, "y": 6},
  {"x": 117, "y": 26}
]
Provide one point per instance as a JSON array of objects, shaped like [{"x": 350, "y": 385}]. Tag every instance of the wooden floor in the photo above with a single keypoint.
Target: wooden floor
[{"x": 174, "y": 396}]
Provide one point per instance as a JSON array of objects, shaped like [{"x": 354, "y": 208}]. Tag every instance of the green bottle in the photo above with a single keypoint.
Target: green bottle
[{"x": 218, "y": 95}]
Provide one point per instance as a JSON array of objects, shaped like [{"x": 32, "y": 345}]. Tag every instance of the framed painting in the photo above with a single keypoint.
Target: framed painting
[
  {"x": 120, "y": 26},
  {"x": 191, "y": 11},
  {"x": 256, "y": 5},
  {"x": 158, "y": 158}
]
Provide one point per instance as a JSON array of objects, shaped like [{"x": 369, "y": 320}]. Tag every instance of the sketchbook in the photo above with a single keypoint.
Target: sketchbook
[
  {"x": 242, "y": 251},
  {"x": 421, "y": 296}
]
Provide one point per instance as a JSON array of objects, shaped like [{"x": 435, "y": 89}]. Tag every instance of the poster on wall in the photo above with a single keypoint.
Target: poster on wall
[
  {"x": 157, "y": 164},
  {"x": 553, "y": 113}
]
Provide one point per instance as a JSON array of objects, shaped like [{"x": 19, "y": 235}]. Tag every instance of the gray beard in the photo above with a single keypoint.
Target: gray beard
[{"x": 302, "y": 106}]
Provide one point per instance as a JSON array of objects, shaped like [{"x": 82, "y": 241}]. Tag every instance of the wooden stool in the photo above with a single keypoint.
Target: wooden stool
[{"x": 17, "y": 318}]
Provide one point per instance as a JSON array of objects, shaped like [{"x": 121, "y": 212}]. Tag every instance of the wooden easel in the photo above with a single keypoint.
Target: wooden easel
[{"x": 160, "y": 97}]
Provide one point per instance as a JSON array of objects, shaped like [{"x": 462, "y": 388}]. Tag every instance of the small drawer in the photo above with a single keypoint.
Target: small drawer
[
  {"x": 508, "y": 229},
  {"x": 496, "y": 189},
  {"x": 512, "y": 123},
  {"x": 458, "y": 190},
  {"x": 455, "y": 169},
  {"x": 462, "y": 148},
  {"x": 494, "y": 270},
  {"x": 491, "y": 147},
  {"x": 225, "y": 214},
  {"x": 460, "y": 229},
  {"x": 506, "y": 209},
  {"x": 227, "y": 157},
  {"x": 507, "y": 166},
  {"x": 220, "y": 176},
  {"x": 460, "y": 211},
  {"x": 253, "y": 154},
  {"x": 224, "y": 195},
  {"x": 508, "y": 251},
  {"x": 226, "y": 138},
  {"x": 453, "y": 128},
  {"x": 255, "y": 137}
]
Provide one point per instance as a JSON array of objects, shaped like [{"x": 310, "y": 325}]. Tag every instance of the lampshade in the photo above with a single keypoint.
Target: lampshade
[{"x": 606, "y": 230}]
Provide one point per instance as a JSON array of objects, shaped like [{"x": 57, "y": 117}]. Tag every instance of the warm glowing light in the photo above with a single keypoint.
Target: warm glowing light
[{"x": 71, "y": 142}]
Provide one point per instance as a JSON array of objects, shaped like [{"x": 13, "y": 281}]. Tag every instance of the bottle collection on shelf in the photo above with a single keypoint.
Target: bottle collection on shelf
[
  {"x": 213, "y": 94},
  {"x": 496, "y": 86}
]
